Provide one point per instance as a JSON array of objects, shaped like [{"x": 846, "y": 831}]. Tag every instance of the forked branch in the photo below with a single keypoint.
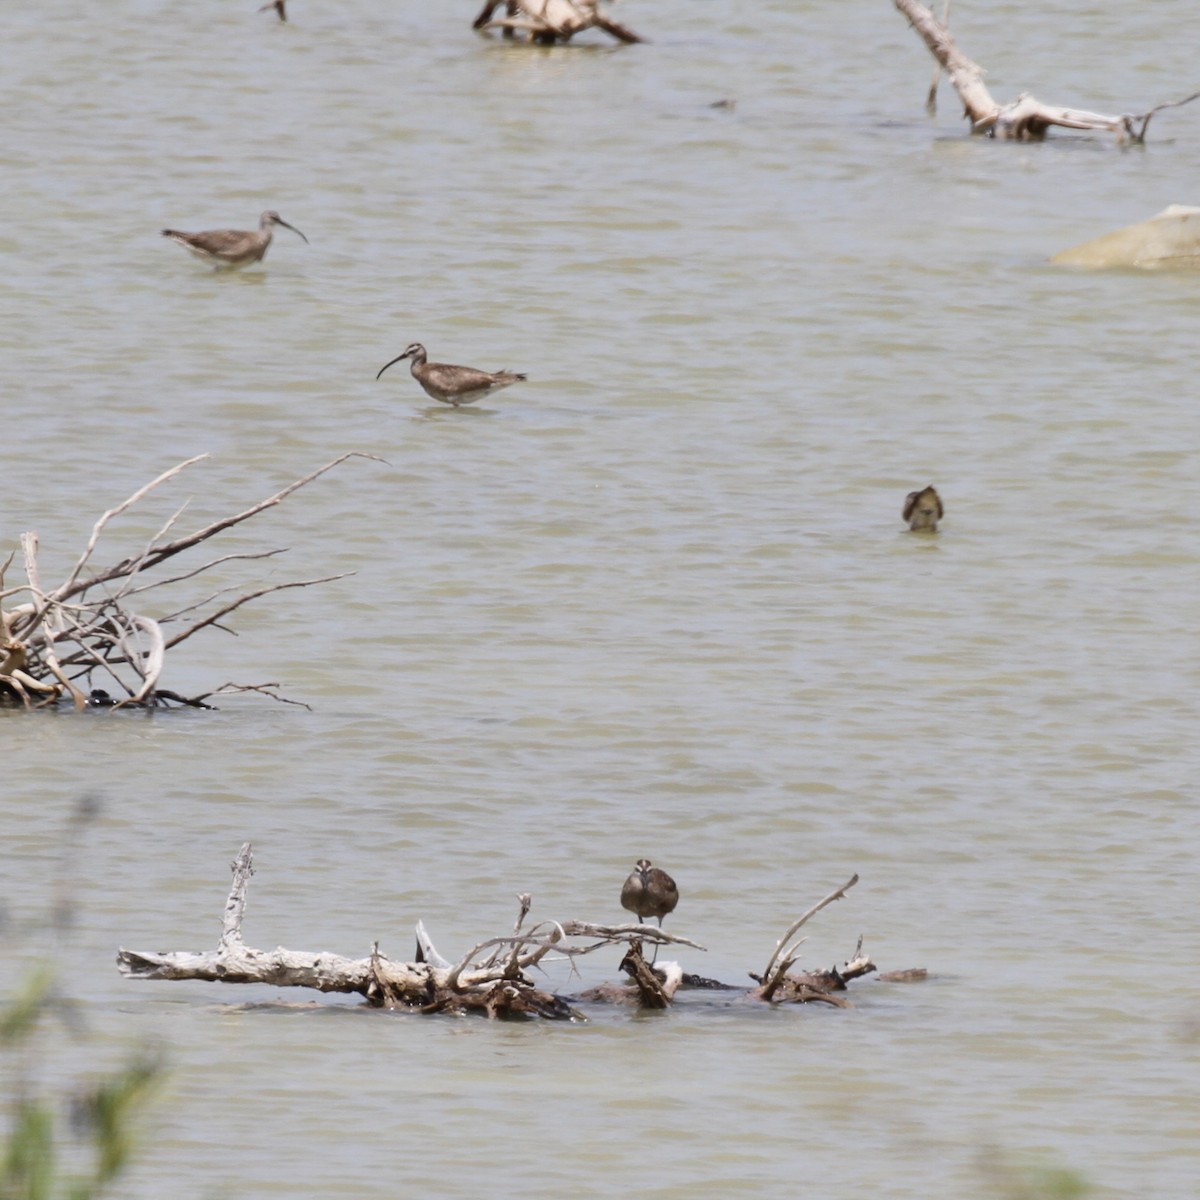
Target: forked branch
[{"x": 812, "y": 912}]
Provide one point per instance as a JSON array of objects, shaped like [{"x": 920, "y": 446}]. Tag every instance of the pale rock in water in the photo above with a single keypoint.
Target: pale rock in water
[{"x": 1169, "y": 241}]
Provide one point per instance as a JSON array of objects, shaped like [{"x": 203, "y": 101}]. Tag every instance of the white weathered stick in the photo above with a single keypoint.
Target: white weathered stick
[
  {"x": 235, "y": 907},
  {"x": 150, "y": 664},
  {"x": 45, "y": 615},
  {"x": 525, "y": 902},
  {"x": 651, "y": 933},
  {"x": 428, "y": 950},
  {"x": 279, "y": 968}
]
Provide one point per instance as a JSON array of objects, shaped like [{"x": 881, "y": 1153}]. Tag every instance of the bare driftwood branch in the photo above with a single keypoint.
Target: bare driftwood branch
[
  {"x": 812, "y": 912},
  {"x": 84, "y": 630},
  {"x": 546, "y": 22},
  {"x": 1022, "y": 119},
  {"x": 627, "y": 933},
  {"x": 494, "y": 984}
]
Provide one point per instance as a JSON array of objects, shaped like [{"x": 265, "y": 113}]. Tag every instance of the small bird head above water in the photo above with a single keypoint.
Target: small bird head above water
[
  {"x": 271, "y": 217},
  {"x": 923, "y": 510}
]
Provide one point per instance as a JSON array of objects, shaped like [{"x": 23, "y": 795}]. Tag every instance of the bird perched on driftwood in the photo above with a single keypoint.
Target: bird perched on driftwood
[
  {"x": 649, "y": 892},
  {"x": 451, "y": 384},
  {"x": 923, "y": 509},
  {"x": 232, "y": 247}
]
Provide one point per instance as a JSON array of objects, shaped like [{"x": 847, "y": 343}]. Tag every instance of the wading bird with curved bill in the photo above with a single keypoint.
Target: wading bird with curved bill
[
  {"x": 451, "y": 384},
  {"x": 232, "y": 247}
]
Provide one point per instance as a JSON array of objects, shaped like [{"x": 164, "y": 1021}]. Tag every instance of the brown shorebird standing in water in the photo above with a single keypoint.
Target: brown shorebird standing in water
[
  {"x": 280, "y": 6},
  {"x": 232, "y": 247},
  {"x": 649, "y": 892},
  {"x": 923, "y": 509},
  {"x": 451, "y": 384}
]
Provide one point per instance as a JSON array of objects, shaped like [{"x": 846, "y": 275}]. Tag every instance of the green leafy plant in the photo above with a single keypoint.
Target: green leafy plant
[
  {"x": 63, "y": 1144},
  {"x": 1029, "y": 1179}
]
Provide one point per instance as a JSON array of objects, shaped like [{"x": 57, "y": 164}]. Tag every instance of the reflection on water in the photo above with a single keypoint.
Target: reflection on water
[{"x": 660, "y": 603}]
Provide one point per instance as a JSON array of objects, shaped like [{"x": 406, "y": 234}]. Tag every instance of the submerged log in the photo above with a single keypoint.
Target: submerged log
[
  {"x": 1168, "y": 241},
  {"x": 545, "y": 22},
  {"x": 491, "y": 978},
  {"x": 1022, "y": 119},
  {"x": 64, "y": 641}
]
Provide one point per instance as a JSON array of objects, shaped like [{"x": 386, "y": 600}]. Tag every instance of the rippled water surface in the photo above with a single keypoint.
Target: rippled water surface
[{"x": 658, "y": 600}]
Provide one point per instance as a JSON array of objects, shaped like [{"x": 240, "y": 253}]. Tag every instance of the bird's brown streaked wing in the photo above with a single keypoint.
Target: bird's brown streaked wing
[
  {"x": 222, "y": 241},
  {"x": 452, "y": 378}
]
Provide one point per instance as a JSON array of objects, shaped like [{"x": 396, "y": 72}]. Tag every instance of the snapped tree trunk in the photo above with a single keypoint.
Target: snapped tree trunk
[{"x": 1022, "y": 119}]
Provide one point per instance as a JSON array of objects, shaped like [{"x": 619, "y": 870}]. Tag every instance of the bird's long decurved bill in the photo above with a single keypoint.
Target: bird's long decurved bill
[
  {"x": 392, "y": 363},
  {"x": 278, "y": 221}
]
